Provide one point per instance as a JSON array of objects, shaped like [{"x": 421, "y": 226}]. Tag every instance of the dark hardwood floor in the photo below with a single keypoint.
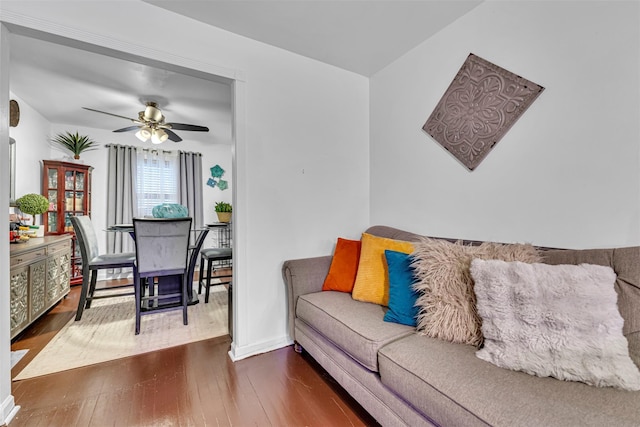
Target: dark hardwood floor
[{"x": 190, "y": 385}]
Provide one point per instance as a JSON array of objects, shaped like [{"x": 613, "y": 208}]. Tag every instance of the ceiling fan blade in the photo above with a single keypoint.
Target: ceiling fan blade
[
  {"x": 127, "y": 129},
  {"x": 110, "y": 114},
  {"x": 172, "y": 135},
  {"x": 182, "y": 126}
]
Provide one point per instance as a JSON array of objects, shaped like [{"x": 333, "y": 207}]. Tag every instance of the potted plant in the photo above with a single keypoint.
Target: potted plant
[
  {"x": 75, "y": 143},
  {"x": 223, "y": 210},
  {"x": 33, "y": 204}
]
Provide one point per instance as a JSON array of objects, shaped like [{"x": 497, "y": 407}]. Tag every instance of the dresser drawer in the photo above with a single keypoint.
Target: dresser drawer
[
  {"x": 27, "y": 257},
  {"x": 62, "y": 246}
]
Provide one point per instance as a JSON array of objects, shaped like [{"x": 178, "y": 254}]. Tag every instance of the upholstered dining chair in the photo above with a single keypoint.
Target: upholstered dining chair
[
  {"x": 92, "y": 261},
  {"x": 162, "y": 249}
]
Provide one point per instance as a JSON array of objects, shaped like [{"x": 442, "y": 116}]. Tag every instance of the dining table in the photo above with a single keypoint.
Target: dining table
[{"x": 171, "y": 284}]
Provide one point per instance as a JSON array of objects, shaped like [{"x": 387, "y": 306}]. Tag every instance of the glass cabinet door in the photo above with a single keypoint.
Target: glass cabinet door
[
  {"x": 74, "y": 196},
  {"x": 51, "y": 175},
  {"x": 53, "y": 178},
  {"x": 80, "y": 181},
  {"x": 69, "y": 181},
  {"x": 67, "y": 221},
  {"x": 52, "y": 222},
  {"x": 69, "y": 200},
  {"x": 53, "y": 199},
  {"x": 79, "y": 202}
]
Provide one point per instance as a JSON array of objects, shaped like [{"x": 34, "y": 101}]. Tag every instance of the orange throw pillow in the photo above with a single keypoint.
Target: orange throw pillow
[
  {"x": 344, "y": 266},
  {"x": 372, "y": 280}
]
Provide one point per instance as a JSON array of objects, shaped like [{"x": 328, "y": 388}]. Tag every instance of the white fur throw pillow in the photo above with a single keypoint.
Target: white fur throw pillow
[
  {"x": 557, "y": 321},
  {"x": 447, "y": 302}
]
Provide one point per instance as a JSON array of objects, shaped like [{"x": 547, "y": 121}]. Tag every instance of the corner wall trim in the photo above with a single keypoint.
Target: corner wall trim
[
  {"x": 8, "y": 409},
  {"x": 242, "y": 352}
]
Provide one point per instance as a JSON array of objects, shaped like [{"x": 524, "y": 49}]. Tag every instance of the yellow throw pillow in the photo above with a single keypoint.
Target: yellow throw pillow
[{"x": 372, "y": 279}]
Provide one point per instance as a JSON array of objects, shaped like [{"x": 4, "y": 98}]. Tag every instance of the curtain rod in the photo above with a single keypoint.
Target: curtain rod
[{"x": 151, "y": 150}]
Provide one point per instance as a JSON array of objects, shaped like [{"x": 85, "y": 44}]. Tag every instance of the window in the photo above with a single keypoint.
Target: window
[{"x": 156, "y": 179}]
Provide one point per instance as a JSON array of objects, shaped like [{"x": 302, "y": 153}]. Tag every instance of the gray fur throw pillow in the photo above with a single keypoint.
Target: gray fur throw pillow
[
  {"x": 447, "y": 302},
  {"x": 558, "y": 321}
]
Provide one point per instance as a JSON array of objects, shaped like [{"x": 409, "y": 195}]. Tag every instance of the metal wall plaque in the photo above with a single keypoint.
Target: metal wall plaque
[{"x": 481, "y": 104}]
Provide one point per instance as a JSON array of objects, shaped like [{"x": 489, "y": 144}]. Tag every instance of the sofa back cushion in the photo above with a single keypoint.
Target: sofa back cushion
[
  {"x": 625, "y": 262},
  {"x": 396, "y": 234}
]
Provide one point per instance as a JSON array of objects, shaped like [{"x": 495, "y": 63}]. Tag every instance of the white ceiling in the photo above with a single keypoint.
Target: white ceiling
[
  {"x": 362, "y": 36},
  {"x": 57, "y": 81}
]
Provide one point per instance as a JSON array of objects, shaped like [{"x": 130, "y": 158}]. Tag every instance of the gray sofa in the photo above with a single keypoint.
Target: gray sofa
[{"x": 402, "y": 378}]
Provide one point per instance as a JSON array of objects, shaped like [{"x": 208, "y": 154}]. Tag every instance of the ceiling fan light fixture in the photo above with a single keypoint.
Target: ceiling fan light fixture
[
  {"x": 158, "y": 136},
  {"x": 144, "y": 133},
  {"x": 153, "y": 113},
  {"x": 150, "y": 124}
]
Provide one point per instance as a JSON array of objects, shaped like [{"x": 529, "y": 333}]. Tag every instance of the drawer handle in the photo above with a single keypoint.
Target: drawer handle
[{"x": 18, "y": 260}]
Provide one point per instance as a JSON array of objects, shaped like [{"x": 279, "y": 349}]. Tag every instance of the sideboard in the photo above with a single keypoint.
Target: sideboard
[{"x": 39, "y": 278}]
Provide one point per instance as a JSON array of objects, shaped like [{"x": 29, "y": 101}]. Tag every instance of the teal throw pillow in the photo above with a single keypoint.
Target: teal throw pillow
[{"x": 402, "y": 296}]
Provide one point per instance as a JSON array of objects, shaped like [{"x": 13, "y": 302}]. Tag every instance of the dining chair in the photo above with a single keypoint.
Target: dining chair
[
  {"x": 92, "y": 261},
  {"x": 194, "y": 251},
  {"x": 211, "y": 255},
  {"x": 162, "y": 249}
]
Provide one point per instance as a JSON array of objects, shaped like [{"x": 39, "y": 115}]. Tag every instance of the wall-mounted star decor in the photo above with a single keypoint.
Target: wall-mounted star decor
[{"x": 216, "y": 171}]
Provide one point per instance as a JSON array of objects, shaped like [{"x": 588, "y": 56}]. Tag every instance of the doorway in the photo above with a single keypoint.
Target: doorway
[{"x": 166, "y": 61}]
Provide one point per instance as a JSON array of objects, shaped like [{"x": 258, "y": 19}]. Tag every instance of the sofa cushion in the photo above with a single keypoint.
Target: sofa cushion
[
  {"x": 372, "y": 281},
  {"x": 357, "y": 328},
  {"x": 626, "y": 265},
  {"x": 558, "y": 321},
  {"x": 446, "y": 381},
  {"x": 344, "y": 266}
]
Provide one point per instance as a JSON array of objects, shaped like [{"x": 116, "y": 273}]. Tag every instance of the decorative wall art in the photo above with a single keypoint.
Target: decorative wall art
[
  {"x": 216, "y": 171},
  {"x": 216, "y": 178},
  {"x": 481, "y": 104}
]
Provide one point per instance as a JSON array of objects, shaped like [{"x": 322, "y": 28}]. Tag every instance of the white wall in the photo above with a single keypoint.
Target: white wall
[
  {"x": 32, "y": 136},
  {"x": 7, "y": 404},
  {"x": 305, "y": 167},
  {"x": 567, "y": 174}
]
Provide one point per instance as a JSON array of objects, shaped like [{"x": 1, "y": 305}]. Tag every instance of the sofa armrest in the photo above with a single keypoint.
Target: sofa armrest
[{"x": 301, "y": 277}]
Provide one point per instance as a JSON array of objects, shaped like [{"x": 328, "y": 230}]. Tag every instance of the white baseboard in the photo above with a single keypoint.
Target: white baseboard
[
  {"x": 8, "y": 410},
  {"x": 242, "y": 352}
]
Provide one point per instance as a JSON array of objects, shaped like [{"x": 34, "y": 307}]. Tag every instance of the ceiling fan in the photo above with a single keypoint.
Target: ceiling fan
[{"x": 151, "y": 124}]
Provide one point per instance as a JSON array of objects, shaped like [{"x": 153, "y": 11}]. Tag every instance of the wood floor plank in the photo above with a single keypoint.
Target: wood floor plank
[
  {"x": 113, "y": 406},
  {"x": 190, "y": 385}
]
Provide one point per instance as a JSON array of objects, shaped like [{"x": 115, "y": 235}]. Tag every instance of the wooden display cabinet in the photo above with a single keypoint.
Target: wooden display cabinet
[{"x": 67, "y": 186}]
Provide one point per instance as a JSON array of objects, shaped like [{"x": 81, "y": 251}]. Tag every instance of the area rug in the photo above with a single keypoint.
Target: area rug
[
  {"x": 16, "y": 356},
  {"x": 107, "y": 332}
]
